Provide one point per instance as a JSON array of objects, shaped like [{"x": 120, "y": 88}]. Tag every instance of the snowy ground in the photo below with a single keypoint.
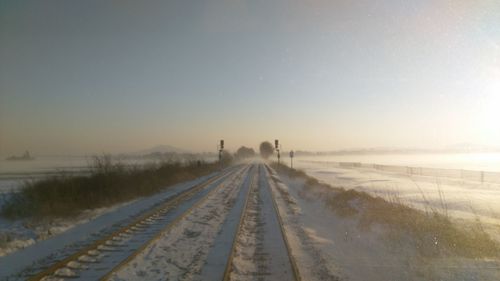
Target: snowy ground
[
  {"x": 260, "y": 251},
  {"x": 180, "y": 252},
  {"x": 458, "y": 198},
  {"x": 19, "y": 234},
  {"x": 323, "y": 245},
  {"x": 33, "y": 243},
  {"x": 328, "y": 247},
  {"x": 312, "y": 263}
]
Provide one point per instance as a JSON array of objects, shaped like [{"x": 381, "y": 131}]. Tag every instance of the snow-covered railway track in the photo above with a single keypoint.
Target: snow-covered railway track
[
  {"x": 196, "y": 247},
  {"x": 97, "y": 260},
  {"x": 218, "y": 261},
  {"x": 260, "y": 250}
]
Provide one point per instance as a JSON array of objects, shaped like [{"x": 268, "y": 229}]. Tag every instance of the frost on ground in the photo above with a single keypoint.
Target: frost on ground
[
  {"x": 312, "y": 263},
  {"x": 461, "y": 199},
  {"x": 180, "y": 252},
  {"x": 43, "y": 252},
  {"x": 19, "y": 234},
  {"x": 329, "y": 246},
  {"x": 248, "y": 260},
  {"x": 260, "y": 250}
]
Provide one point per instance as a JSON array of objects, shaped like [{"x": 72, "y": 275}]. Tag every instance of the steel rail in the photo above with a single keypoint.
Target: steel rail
[
  {"x": 137, "y": 223},
  {"x": 293, "y": 263},
  {"x": 254, "y": 184},
  {"x": 166, "y": 229},
  {"x": 229, "y": 263}
]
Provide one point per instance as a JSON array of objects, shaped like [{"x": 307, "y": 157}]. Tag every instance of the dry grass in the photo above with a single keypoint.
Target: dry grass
[
  {"x": 108, "y": 184},
  {"x": 5, "y": 238},
  {"x": 432, "y": 232}
]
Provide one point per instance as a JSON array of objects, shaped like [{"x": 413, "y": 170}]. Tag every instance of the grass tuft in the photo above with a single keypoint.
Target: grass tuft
[
  {"x": 432, "y": 232},
  {"x": 109, "y": 183}
]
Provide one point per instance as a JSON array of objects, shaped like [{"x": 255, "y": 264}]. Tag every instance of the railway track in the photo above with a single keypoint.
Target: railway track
[
  {"x": 260, "y": 239},
  {"x": 97, "y": 260},
  {"x": 250, "y": 245},
  {"x": 224, "y": 190},
  {"x": 293, "y": 263}
]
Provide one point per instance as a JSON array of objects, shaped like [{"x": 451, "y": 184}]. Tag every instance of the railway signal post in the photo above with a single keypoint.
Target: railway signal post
[
  {"x": 220, "y": 147},
  {"x": 277, "y": 146}
]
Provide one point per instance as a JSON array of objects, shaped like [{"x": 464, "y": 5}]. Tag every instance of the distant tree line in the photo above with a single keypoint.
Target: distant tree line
[
  {"x": 244, "y": 152},
  {"x": 266, "y": 149}
]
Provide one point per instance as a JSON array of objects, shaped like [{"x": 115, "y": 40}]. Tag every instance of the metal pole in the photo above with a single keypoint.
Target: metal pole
[
  {"x": 277, "y": 146},
  {"x": 221, "y": 148}
]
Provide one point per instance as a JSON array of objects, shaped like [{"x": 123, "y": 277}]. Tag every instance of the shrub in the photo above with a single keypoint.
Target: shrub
[
  {"x": 432, "y": 233},
  {"x": 109, "y": 183}
]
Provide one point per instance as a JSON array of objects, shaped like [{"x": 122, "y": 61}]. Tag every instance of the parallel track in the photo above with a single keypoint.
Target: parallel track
[
  {"x": 140, "y": 223},
  {"x": 165, "y": 229},
  {"x": 152, "y": 217}
]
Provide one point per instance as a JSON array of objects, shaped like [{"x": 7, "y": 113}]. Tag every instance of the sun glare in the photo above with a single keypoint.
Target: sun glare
[{"x": 489, "y": 116}]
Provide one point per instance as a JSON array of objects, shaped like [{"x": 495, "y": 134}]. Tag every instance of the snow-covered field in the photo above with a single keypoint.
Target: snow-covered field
[
  {"x": 14, "y": 173},
  {"x": 329, "y": 247},
  {"x": 474, "y": 161},
  {"x": 323, "y": 244},
  {"x": 459, "y": 198}
]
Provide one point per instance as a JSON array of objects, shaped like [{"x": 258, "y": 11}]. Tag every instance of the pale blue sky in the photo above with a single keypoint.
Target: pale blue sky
[{"x": 115, "y": 76}]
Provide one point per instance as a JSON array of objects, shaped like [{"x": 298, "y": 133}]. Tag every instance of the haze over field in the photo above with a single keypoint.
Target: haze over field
[
  {"x": 250, "y": 140},
  {"x": 117, "y": 76}
]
